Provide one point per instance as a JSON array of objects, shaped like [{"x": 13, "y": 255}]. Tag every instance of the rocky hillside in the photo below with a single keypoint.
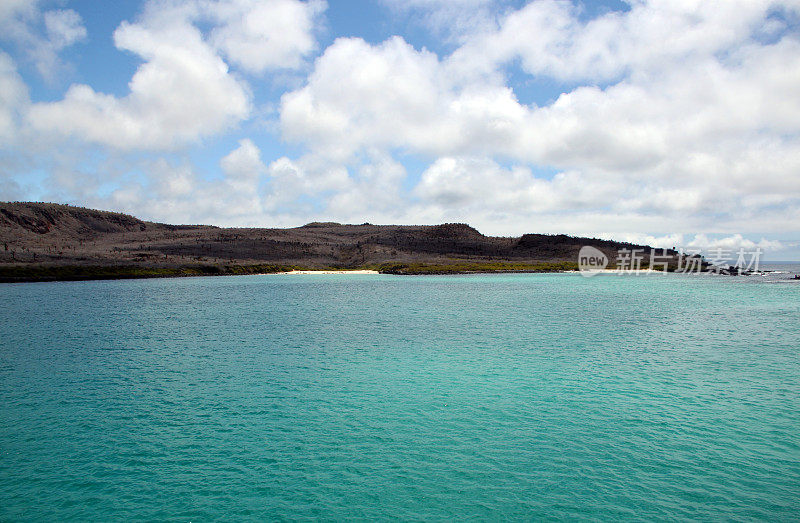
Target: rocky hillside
[
  {"x": 19, "y": 221},
  {"x": 51, "y": 235}
]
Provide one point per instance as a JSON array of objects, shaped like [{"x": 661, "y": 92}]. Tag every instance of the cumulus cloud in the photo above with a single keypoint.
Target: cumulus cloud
[
  {"x": 482, "y": 185},
  {"x": 64, "y": 27},
  {"x": 173, "y": 191},
  {"x": 42, "y": 35},
  {"x": 260, "y": 36},
  {"x": 702, "y": 243},
  {"x": 550, "y": 38},
  {"x": 243, "y": 165},
  {"x": 243, "y": 171},
  {"x": 308, "y": 176},
  {"x": 392, "y": 95},
  {"x": 453, "y": 19},
  {"x": 733, "y": 243},
  {"x": 12, "y": 9},
  {"x": 372, "y": 192},
  {"x": 13, "y": 99},
  {"x": 184, "y": 90},
  {"x": 697, "y": 124}
]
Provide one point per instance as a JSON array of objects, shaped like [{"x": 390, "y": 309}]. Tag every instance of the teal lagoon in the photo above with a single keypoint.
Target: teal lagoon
[{"x": 526, "y": 396}]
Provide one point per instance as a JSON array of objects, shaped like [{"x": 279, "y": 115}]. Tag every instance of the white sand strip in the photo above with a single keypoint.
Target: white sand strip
[{"x": 360, "y": 271}]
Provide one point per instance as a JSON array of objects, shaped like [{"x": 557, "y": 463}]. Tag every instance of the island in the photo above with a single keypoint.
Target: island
[{"x": 48, "y": 242}]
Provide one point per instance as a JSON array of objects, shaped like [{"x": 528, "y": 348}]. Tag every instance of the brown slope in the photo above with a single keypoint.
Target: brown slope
[{"x": 41, "y": 234}]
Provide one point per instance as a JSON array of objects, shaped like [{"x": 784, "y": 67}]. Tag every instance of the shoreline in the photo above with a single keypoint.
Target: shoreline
[
  {"x": 41, "y": 273},
  {"x": 323, "y": 271},
  {"x": 22, "y": 274}
]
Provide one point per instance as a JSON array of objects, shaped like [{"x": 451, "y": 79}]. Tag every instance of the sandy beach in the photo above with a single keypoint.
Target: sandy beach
[{"x": 359, "y": 271}]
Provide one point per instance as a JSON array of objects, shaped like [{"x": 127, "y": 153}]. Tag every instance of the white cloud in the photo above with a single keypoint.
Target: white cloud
[
  {"x": 481, "y": 192},
  {"x": 13, "y": 100},
  {"x": 481, "y": 183},
  {"x": 44, "y": 35},
  {"x": 466, "y": 188},
  {"x": 40, "y": 35},
  {"x": 243, "y": 165},
  {"x": 172, "y": 182},
  {"x": 550, "y": 38},
  {"x": 64, "y": 27},
  {"x": 16, "y": 9},
  {"x": 732, "y": 243},
  {"x": 700, "y": 243},
  {"x": 373, "y": 191},
  {"x": 259, "y": 36},
  {"x": 182, "y": 92},
  {"x": 243, "y": 171},
  {"x": 308, "y": 176},
  {"x": 391, "y": 95},
  {"x": 667, "y": 241},
  {"x": 453, "y": 19},
  {"x": 700, "y": 123},
  {"x": 172, "y": 191}
]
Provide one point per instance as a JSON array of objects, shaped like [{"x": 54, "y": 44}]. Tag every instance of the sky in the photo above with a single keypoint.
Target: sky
[{"x": 669, "y": 122}]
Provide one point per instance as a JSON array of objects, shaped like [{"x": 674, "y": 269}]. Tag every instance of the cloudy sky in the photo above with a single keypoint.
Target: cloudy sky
[{"x": 675, "y": 122}]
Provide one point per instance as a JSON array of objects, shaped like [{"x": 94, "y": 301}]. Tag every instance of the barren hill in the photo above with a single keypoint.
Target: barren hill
[{"x": 51, "y": 241}]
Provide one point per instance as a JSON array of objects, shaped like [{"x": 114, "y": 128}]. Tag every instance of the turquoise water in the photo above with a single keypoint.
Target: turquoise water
[{"x": 545, "y": 396}]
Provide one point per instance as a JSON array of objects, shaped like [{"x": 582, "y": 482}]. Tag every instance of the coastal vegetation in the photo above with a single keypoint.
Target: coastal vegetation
[
  {"x": 20, "y": 273},
  {"x": 467, "y": 268},
  {"x": 115, "y": 272}
]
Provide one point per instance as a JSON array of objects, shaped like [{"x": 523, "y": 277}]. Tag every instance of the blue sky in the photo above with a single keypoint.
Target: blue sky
[{"x": 672, "y": 123}]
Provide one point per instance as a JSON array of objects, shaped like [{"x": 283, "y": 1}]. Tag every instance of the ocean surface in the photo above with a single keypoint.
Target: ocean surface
[{"x": 526, "y": 396}]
